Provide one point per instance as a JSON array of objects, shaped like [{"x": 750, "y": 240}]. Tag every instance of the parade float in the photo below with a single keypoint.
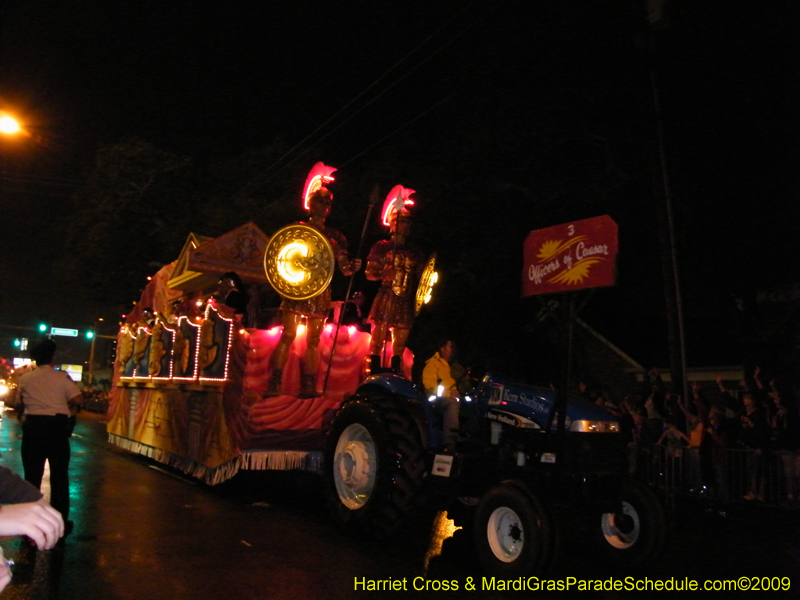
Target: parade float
[
  {"x": 200, "y": 387},
  {"x": 191, "y": 384}
]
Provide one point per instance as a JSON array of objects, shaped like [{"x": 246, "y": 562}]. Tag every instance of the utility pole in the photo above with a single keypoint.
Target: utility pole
[
  {"x": 91, "y": 352},
  {"x": 91, "y": 362},
  {"x": 666, "y": 222}
]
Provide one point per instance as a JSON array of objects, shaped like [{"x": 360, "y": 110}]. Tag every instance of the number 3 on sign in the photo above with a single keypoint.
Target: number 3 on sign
[{"x": 571, "y": 229}]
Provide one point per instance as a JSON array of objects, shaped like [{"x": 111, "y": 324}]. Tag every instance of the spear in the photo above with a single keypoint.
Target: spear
[{"x": 374, "y": 198}]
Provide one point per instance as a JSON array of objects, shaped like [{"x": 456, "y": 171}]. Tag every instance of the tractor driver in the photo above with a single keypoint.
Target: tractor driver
[{"x": 438, "y": 381}]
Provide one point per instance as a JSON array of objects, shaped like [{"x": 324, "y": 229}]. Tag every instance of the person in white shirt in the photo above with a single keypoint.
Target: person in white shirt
[{"x": 47, "y": 396}]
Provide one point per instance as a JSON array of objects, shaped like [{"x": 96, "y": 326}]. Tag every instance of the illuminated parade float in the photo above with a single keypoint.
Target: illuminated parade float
[{"x": 199, "y": 388}]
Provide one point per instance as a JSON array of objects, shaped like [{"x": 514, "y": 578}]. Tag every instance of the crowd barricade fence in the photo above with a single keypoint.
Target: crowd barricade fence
[{"x": 725, "y": 475}]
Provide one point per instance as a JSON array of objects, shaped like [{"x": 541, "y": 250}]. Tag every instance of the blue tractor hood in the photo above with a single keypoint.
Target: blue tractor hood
[{"x": 501, "y": 398}]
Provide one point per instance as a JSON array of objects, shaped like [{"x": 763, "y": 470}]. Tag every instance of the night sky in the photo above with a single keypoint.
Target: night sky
[{"x": 505, "y": 117}]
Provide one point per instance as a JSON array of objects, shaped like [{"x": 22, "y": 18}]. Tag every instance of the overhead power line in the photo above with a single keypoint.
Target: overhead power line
[
  {"x": 403, "y": 126},
  {"x": 39, "y": 179},
  {"x": 258, "y": 180}
]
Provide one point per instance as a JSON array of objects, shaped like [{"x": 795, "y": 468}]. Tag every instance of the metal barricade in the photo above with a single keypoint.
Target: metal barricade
[{"x": 720, "y": 474}]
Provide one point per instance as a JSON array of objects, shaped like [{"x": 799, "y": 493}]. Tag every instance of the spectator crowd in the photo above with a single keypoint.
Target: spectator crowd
[{"x": 726, "y": 443}]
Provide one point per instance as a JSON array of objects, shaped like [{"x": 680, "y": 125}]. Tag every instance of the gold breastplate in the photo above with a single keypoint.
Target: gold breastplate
[{"x": 404, "y": 266}]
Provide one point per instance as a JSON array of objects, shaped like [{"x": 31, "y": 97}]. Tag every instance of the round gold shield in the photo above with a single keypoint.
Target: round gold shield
[
  {"x": 298, "y": 262},
  {"x": 426, "y": 283}
]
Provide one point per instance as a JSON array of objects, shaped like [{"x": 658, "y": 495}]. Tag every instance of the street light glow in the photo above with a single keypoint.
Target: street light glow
[{"x": 8, "y": 125}]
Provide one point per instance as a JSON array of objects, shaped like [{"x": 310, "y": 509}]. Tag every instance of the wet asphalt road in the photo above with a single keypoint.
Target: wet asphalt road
[{"x": 145, "y": 532}]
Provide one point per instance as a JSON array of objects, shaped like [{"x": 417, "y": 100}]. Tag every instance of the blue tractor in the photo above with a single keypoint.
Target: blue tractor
[{"x": 527, "y": 468}]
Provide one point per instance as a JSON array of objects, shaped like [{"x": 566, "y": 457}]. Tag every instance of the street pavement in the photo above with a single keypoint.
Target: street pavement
[{"x": 147, "y": 532}]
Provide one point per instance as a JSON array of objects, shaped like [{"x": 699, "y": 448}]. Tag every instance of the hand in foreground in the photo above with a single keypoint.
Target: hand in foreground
[
  {"x": 38, "y": 520},
  {"x": 5, "y": 573}
]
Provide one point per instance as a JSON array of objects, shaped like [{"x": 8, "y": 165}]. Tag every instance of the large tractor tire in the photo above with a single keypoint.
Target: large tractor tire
[
  {"x": 636, "y": 532},
  {"x": 514, "y": 532},
  {"x": 374, "y": 466}
]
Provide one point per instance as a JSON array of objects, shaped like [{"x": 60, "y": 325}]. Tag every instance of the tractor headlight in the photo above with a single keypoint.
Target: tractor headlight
[{"x": 587, "y": 426}]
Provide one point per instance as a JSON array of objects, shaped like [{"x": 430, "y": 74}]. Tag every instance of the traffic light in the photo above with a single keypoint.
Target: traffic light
[
  {"x": 89, "y": 334},
  {"x": 43, "y": 327},
  {"x": 17, "y": 343}
]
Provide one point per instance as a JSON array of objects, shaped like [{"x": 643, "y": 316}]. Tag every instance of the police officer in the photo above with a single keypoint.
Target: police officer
[{"x": 47, "y": 396}]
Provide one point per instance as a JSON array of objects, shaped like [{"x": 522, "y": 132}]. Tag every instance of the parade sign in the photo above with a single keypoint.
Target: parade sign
[{"x": 569, "y": 257}]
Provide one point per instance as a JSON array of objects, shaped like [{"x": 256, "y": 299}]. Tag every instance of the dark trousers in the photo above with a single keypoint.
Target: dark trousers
[{"x": 47, "y": 438}]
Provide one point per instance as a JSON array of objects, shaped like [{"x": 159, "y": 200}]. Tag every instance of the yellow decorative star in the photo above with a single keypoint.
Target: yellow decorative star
[{"x": 577, "y": 273}]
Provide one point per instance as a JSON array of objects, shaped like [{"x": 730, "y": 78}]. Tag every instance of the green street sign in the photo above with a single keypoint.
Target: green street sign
[{"x": 64, "y": 332}]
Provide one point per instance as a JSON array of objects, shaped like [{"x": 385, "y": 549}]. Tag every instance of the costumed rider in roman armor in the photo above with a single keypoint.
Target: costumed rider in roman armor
[
  {"x": 143, "y": 329},
  {"x": 398, "y": 265},
  {"x": 231, "y": 292},
  {"x": 315, "y": 309}
]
